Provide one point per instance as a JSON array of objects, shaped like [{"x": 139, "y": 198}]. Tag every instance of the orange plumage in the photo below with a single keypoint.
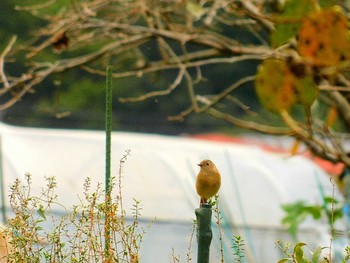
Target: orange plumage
[{"x": 208, "y": 180}]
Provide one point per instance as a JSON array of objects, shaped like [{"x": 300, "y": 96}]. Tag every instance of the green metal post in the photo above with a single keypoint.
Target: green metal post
[
  {"x": 108, "y": 160},
  {"x": 108, "y": 127},
  {"x": 204, "y": 232}
]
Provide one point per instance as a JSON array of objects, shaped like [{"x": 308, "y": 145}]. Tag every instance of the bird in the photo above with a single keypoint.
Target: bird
[{"x": 208, "y": 181}]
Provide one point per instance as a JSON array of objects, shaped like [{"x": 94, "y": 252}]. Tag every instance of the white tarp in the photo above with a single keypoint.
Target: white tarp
[{"x": 161, "y": 173}]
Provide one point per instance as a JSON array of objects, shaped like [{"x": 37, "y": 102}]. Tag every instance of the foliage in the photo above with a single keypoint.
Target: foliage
[
  {"x": 347, "y": 255},
  {"x": 332, "y": 46},
  {"x": 238, "y": 248},
  {"x": 37, "y": 234},
  {"x": 288, "y": 21},
  {"x": 297, "y": 212},
  {"x": 298, "y": 255},
  {"x": 286, "y": 89}
]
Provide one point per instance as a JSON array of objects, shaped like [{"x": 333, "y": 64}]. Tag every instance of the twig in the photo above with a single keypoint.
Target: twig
[
  {"x": 35, "y": 7},
  {"x": 151, "y": 94},
  {"x": 334, "y": 88},
  {"x": 240, "y": 104},
  {"x": 316, "y": 145},
  {"x": 226, "y": 92},
  {"x": 212, "y": 12},
  {"x": 39, "y": 77},
  {"x": 191, "y": 92},
  {"x": 2, "y": 60},
  {"x": 342, "y": 105},
  {"x": 160, "y": 65},
  {"x": 254, "y": 13},
  {"x": 181, "y": 116},
  {"x": 189, "y": 249},
  {"x": 218, "y": 223},
  {"x": 250, "y": 125}
]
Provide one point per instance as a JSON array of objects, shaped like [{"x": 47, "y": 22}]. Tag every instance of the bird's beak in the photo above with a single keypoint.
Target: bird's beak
[{"x": 199, "y": 164}]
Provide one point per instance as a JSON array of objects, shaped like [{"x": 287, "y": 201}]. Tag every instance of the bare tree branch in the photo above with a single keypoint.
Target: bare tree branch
[
  {"x": 226, "y": 92},
  {"x": 2, "y": 62},
  {"x": 152, "y": 94},
  {"x": 254, "y": 13},
  {"x": 249, "y": 125},
  {"x": 342, "y": 105},
  {"x": 316, "y": 145}
]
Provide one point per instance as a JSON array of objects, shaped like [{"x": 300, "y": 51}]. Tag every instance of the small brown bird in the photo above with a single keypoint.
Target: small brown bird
[{"x": 208, "y": 181}]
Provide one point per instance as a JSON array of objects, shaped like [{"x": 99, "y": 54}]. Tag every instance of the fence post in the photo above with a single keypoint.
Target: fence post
[{"x": 204, "y": 232}]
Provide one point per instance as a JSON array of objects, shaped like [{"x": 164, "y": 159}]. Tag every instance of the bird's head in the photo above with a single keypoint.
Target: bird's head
[{"x": 207, "y": 165}]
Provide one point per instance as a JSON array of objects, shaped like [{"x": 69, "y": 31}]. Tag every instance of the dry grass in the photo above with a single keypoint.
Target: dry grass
[{"x": 38, "y": 234}]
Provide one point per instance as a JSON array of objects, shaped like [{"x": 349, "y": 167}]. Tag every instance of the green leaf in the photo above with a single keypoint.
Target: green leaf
[
  {"x": 288, "y": 23},
  {"x": 298, "y": 252},
  {"x": 297, "y": 8},
  {"x": 316, "y": 255},
  {"x": 315, "y": 211},
  {"x": 283, "y": 33},
  {"x": 293, "y": 206},
  {"x": 338, "y": 214},
  {"x": 326, "y": 3},
  {"x": 300, "y": 244},
  {"x": 38, "y": 228},
  {"x": 295, "y": 214},
  {"x": 284, "y": 260},
  {"x": 330, "y": 200},
  {"x": 306, "y": 91},
  {"x": 41, "y": 212}
]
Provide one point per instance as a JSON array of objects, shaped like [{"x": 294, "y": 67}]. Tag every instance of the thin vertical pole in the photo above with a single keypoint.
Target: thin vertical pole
[
  {"x": 204, "y": 232},
  {"x": 108, "y": 160},
  {"x": 346, "y": 208},
  {"x": 108, "y": 126},
  {"x": 2, "y": 186}
]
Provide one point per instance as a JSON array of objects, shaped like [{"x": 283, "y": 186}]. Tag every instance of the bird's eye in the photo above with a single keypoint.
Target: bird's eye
[{"x": 207, "y": 163}]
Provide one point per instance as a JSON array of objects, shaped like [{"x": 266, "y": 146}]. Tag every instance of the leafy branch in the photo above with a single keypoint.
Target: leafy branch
[{"x": 302, "y": 79}]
